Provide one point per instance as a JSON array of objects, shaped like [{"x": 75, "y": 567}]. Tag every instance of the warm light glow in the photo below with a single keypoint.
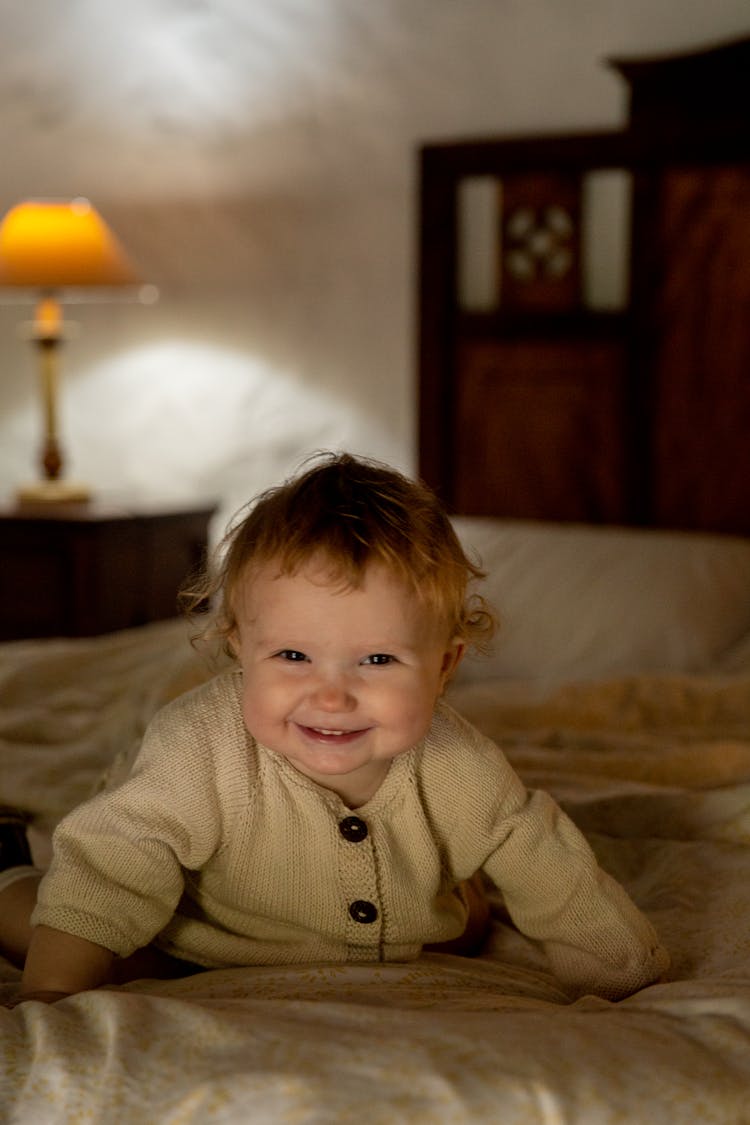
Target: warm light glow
[
  {"x": 48, "y": 319},
  {"x": 51, "y": 245}
]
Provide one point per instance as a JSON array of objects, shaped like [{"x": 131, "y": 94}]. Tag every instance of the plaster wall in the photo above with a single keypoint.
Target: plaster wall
[{"x": 258, "y": 160}]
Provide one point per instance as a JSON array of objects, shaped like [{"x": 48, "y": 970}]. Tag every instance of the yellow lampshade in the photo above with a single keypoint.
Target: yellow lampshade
[{"x": 52, "y": 245}]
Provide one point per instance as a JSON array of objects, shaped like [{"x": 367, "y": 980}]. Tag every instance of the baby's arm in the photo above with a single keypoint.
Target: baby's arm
[
  {"x": 594, "y": 936},
  {"x": 117, "y": 871},
  {"x": 59, "y": 964},
  {"x": 556, "y": 893}
]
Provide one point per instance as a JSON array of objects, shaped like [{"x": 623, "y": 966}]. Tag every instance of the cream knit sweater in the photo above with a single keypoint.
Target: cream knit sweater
[{"x": 224, "y": 854}]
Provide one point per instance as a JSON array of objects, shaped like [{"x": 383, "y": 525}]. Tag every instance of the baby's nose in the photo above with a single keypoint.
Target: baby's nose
[{"x": 334, "y": 694}]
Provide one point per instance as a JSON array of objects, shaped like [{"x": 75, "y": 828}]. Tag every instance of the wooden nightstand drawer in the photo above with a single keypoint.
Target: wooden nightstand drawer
[{"x": 80, "y": 571}]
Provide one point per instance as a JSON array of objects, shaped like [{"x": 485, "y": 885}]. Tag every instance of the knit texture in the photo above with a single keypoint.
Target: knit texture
[{"x": 220, "y": 851}]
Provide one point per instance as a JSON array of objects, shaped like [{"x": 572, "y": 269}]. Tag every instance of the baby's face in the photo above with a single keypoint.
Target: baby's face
[{"x": 338, "y": 681}]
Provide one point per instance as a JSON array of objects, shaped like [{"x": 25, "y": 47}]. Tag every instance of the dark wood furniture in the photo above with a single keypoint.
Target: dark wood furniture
[
  {"x": 81, "y": 570},
  {"x": 541, "y": 403}
]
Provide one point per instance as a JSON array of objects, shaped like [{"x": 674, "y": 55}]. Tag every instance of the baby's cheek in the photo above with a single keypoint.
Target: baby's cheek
[
  {"x": 252, "y": 713},
  {"x": 416, "y": 716}
]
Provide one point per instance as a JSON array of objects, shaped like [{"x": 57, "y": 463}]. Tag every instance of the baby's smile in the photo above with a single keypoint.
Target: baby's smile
[{"x": 326, "y": 734}]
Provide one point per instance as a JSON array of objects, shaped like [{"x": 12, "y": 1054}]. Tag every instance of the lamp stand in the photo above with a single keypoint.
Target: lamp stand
[{"x": 47, "y": 333}]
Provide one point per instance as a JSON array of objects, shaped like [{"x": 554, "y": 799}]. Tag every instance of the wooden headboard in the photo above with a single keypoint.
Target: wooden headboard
[{"x": 584, "y": 310}]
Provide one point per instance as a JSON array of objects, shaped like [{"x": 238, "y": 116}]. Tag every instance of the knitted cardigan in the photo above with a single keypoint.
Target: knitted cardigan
[{"x": 224, "y": 854}]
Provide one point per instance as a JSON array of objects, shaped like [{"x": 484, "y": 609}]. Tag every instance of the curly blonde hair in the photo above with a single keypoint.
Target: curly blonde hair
[{"x": 353, "y": 512}]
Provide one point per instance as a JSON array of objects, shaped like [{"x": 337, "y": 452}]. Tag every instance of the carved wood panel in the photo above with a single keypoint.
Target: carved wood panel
[
  {"x": 539, "y": 430},
  {"x": 701, "y": 364}
]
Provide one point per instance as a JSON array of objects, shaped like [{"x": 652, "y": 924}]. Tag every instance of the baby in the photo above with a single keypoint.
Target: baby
[{"x": 320, "y": 802}]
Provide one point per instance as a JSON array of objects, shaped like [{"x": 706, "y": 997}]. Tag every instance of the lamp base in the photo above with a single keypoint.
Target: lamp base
[{"x": 53, "y": 492}]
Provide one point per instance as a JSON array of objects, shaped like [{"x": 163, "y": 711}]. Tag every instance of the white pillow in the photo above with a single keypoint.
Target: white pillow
[{"x": 581, "y": 602}]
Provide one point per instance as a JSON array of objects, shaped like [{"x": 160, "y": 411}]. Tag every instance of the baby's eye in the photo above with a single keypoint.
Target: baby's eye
[
  {"x": 379, "y": 658},
  {"x": 291, "y": 654}
]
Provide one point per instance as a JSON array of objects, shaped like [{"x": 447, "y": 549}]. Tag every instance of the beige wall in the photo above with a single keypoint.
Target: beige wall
[{"x": 258, "y": 160}]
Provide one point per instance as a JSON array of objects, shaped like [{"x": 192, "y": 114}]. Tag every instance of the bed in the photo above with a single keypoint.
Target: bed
[{"x": 619, "y": 681}]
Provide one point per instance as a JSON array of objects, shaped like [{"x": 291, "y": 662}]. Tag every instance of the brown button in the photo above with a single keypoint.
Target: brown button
[
  {"x": 353, "y": 829},
  {"x": 362, "y": 911}
]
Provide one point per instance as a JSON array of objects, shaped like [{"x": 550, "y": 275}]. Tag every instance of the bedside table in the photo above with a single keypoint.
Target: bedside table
[{"x": 78, "y": 570}]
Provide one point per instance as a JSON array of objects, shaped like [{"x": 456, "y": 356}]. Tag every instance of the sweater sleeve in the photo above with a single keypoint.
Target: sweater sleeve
[
  {"x": 116, "y": 875},
  {"x": 594, "y": 936}
]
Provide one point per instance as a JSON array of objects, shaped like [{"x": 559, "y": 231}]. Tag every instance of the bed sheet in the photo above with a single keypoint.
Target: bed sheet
[{"x": 655, "y": 769}]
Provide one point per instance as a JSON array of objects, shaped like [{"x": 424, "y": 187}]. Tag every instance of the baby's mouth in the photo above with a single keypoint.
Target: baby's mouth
[{"x": 330, "y": 734}]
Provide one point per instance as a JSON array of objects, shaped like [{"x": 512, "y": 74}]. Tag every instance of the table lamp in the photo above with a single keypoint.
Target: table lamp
[{"x": 54, "y": 249}]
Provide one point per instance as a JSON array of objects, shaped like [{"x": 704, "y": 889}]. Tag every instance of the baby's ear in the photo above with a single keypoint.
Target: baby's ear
[{"x": 452, "y": 657}]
